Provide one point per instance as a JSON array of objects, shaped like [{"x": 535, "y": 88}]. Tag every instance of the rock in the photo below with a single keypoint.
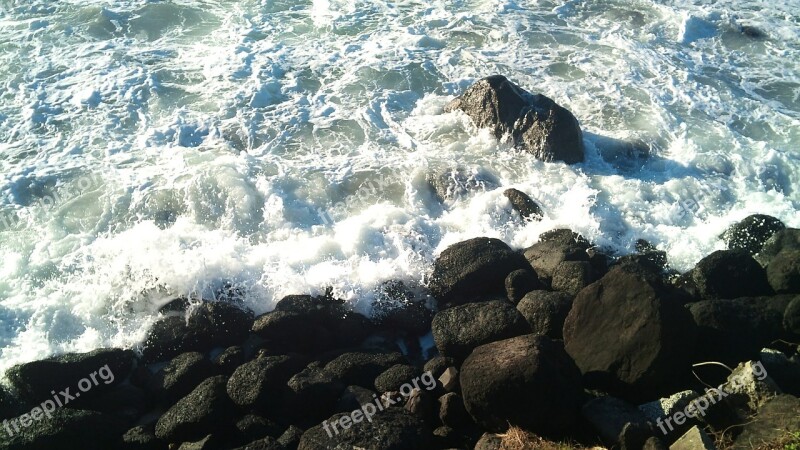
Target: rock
[
  {"x": 224, "y": 323},
  {"x": 290, "y": 438},
  {"x": 610, "y": 416},
  {"x": 749, "y": 386},
  {"x": 651, "y": 253},
  {"x": 628, "y": 335},
  {"x": 528, "y": 381},
  {"x": 736, "y": 330},
  {"x": 391, "y": 429},
  {"x": 197, "y": 414},
  {"x": 726, "y": 274},
  {"x": 209, "y": 442},
  {"x": 654, "y": 443},
  {"x": 546, "y": 312},
  {"x": 788, "y": 239},
  {"x": 438, "y": 364},
  {"x": 89, "y": 374},
  {"x": 473, "y": 269},
  {"x": 264, "y": 378},
  {"x": 535, "y": 123},
  {"x": 354, "y": 397},
  {"x": 524, "y": 205},
  {"x": 546, "y": 255},
  {"x": 783, "y": 272},
  {"x": 266, "y": 443},
  {"x": 65, "y": 429},
  {"x": 753, "y": 32},
  {"x": 313, "y": 394},
  {"x": 564, "y": 236},
  {"x": 489, "y": 441},
  {"x": 449, "y": 379},
  {"x": 170, "y": 337},
  {"x": 394, "y": 377},
  {"x": 449, "y": 438},
  {"x": 784, "y": 371},
  {"x": 777, "y": 417},
  {"x": 453, "y": 184},
  {"x": 751, "y": 233},
  {"x": 572, "y": 276},
  {"x": 791, "y": 316},
  {"x": 252, "y": 427},
  {"x": 458, "y": 330},
  {"x": 181, "y": 375},
  {"x": 662, "y": 413},
  {"x": 421, "y": 404},
  {"x": 361, "y": 368},
  {"x": 452, "y": 412},
  {"x": 519, "y": 283},
  {"x": 694, "y": 439},
  {"x": 230, "y": 358},
  {"x": 397, "y": 307},
  {"x": 141, "y": 438},
  {"x": 124, "y": 401}
]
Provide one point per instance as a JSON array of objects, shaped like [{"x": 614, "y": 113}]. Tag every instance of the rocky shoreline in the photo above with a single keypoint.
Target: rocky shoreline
[{"x": 558, "y": 340}]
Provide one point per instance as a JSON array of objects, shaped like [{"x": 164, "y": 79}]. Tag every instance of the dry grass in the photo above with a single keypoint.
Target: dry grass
[{"x": 518, "y": 439}]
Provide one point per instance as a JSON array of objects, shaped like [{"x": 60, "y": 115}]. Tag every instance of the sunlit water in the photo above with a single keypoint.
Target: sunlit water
[{"x": 160, "y": 148}]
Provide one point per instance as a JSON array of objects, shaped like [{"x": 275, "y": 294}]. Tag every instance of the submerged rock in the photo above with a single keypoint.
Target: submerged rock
[
  {"x": 535, "y": 123},
  {"x": 524, "y": 205},
  {"x": 453, "y": 184}
]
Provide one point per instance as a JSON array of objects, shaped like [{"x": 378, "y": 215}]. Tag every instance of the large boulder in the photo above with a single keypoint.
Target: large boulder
[
  {"x": 726, "y": 274},
  {"x": 361, "y": 368},
  {"x": 731, "y": 331},
  {"x": 751, "y": 233},
  {"x": 181, "y": 375},
  {"x": 553, "y": 249},
  {"x": 458, "y": 330},
  {"x": 262, "y": 380},
  {"x": 527, "y": 381},
  {"x": 534, "y": 123},
  {"x": 473, "y": 269},
  {"x": 101, "y": 369},
  {"x": 197, "y": 414},
  {"x": 783, "y": 272},
  {"x": 402, "y": 308},
  {"x": 629, "y": 335},
  {"x": 64, "y": 429},
  {"x": 391, "y": 429},
  {"x": 519, "y": 283},
  {"x": 546, "y": 312},
  {"x": 787, "y": 239}
]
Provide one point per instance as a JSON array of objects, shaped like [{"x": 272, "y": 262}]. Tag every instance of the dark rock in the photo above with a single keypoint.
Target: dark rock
[
  {"x": 647, "y": 266},
  {"x": 181, "y": 375},
  {"x": 391, "y": 429},
  {"x": 453, "y": 413},
  {"x": 266, "y": 443},
  {"x": 736, "y": 330},
  {"x": 617, "y": 421},
  {"x": 751, "y": 233},
  {"x": 535, "y": 123},
  {"x": 454, "y": 184},
  {"x": 524, "y": 205},
  {"x": 473, "y": 269},
  {"x": 519, "y": 283},
  {"x": 438, "y": 364},
  {"x": 489, "y": 441},
  {"x": 180, "y": 304},
  {"x": 170, "y": 337},
  {"x": 460, "y": 329},
  {"x": 65, "y": 429},
  {"x": 421, "y": 404},
  {"x": 654, "y": 443},
  {"x": 753, "y": 33},
  {"x": 10, "y": 405},
  {"x": 209, "y": 442},
  {"x": 355, "y": 397},
  {"x": 361, "y": 368},
  {"x": 788, "y": 239},
  {"x": 784, "y": 371},
  {"x": 783, "y": 272},
  {"x": 726, "y": 274},
  {"x": 226, "y": 324},
  {"x": 124, "y": 401},
  {"x": 400, "y": 308},
  {"x": 313, "y": 394},
  {"x": 290, "y": 438},
  {"x": 628, "y": 335},
  {"x": 449, "y": 379},
  {"x": 528, "y": 381},
  {"x": 791, "y": 317},
  {"x": 546, "y": 255},
  {"x": 774, "y": 420},
  {"x": 546, "y": 312},
  {"x": 102, "y": 369},
  {"x": 197, "y": 414},
  {"x": 230, "y": 358},
  {"x": 262, "y": 379},
  {"x": 450, "y": 438},
  {"x": 141, "y": 438},
  {"x": 572, "y": 276},
  {"x": 252, "y": 427},
  {"x": 652, "y": 254},
  {"x": 396, "y": 376},
  {"x": 564, "y": 236}
]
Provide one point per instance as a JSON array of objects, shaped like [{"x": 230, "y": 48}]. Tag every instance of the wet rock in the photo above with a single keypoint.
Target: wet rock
[
  {"x": 66, "y": 429},
  {"x": 460, "y": 329},
  {"x": 181, "y": 375},
  {"x": 34, "y": 381},
  {"x": 535, "y": 123},
  {"x": 524, "y": 205},
  {"x": 526, "y": 380},
  {"x": 401, "y": 308},
  {"x": 774, "y": 419},
  {"x": 519, "y": 283},
  {"x": 628, "y": 335},
  {"x": 617, "y": 422},
  {"x": 783, "y": 272},
  {"x": 726, "y": 274},
  {"x": 788, "y": 239},
  {"x": 197, "y": 414},
  {"x": 230, "y": 358},
  {"x": 391, "y": 429},
  {"x": 546, "y": 312},
  {"x": 361, "y": 368},
  {"x": 751, "y": 233},
  {"x": 546, "y": 255},
  {"x": 572, "y": 276},
  {"x": 454, "y": 184},
  {"x": 736, "y": 330},
  {"x": 255, "y": 382},
  {"x": 396, "y": 376},
  {"x": 651, "y": 253},
  {"x": 473, "y": 269}
]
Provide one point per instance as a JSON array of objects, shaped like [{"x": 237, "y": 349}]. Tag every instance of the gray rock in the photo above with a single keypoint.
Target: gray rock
[
  {"x": 546, "y": 312},
  {"x": 572, "y": 276},
  {"x": 524, "y": 205},
  {"x": 256, "y": 381},
  {"x": 694, "y": 439},
  {"x": 197, "y": 414}
]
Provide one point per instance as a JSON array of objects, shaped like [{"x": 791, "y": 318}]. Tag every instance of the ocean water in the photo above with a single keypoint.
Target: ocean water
[{"x": 150, "y": 149}]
